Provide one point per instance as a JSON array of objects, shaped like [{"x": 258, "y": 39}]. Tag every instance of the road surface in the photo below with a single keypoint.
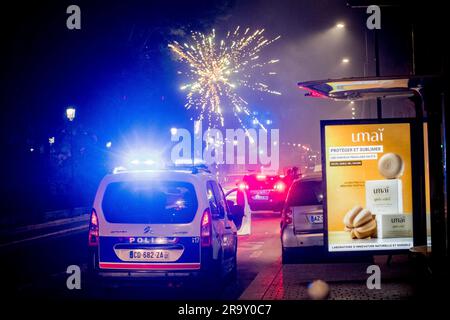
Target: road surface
[{"x": 35, "y": 267}]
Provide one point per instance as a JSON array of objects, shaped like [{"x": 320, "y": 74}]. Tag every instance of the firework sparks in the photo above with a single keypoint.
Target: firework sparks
[{"x": 218, "y": 68}]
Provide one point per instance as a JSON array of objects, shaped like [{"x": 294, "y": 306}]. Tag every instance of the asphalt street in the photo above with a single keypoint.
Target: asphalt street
[{"x": 37, "y": 268}]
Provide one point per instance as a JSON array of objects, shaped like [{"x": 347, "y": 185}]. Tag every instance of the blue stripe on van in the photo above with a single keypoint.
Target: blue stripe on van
[{"x": 191, "y": 247}]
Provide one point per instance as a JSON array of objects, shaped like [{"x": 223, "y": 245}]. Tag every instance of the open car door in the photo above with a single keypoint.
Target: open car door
[{"x": 239, "y": 197}]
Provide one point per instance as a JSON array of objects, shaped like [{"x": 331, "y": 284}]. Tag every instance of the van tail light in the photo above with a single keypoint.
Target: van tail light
[
  {"x": 243, "y": 186},
  {"x": 93, "y": 229},
  {"x": 287, "y": 216},
  {"x": 206, "y": 229},
  {"x": 280, "y": 186}
]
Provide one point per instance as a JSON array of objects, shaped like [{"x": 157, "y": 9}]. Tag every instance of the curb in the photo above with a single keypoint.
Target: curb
[
  {"x": 52, "y": 234},
  {"x": 262, "y": 282},
  {"x": 44, "y": 225}
]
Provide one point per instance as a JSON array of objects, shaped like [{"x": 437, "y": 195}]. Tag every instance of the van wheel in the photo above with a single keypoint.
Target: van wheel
[
  {"x": 233, "y": 273},
  {"x": 212, "y": 278},
  {"x": 93, "y": 283},
  {"x": 219, "y": 272},
  {"x": 286, "y": 256}
]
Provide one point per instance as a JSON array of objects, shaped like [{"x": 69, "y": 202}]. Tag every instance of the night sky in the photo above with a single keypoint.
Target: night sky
[{"x": 119, "y": 74}]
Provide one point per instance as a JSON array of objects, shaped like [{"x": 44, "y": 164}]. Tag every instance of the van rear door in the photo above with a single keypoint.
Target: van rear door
[{"x": 149, "y": 225}]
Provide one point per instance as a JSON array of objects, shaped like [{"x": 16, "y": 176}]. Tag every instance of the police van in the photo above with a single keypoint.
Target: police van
[{"x": 172, "y": 222}]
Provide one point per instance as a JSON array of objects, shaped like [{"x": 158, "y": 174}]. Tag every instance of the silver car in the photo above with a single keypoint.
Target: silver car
[{"x": 302, "y": 217}]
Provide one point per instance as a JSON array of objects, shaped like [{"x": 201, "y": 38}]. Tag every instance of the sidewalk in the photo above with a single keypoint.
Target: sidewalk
[
  {"x": 347, "y": 281},
  {"x": 22, "y": 220}
]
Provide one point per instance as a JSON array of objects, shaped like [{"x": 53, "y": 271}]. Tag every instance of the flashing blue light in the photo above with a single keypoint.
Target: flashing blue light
[
  {"x": 139, "y": 164},
  {"x": 189, "y": 162},
  {"x": 108, "y": 144},
  {"x": 149, "y": 162},
  {"x": 119, "y": 169},
  {"x": 146, "y": 162}
]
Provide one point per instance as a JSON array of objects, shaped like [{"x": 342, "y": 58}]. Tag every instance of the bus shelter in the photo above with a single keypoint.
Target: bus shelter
[{"x": 429, "y": 99}]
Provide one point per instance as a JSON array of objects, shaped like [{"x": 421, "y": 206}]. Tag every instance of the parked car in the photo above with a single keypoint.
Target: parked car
[
  {"x": 264, "y": 192},
  {"x": 302, "y": 217}
]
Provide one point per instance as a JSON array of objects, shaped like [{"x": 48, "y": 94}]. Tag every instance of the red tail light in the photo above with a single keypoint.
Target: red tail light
[
  {"x": 93, "y": 229},
  {"x": 242, "y": 186},
  {"x": 206, "y": 229},
  {"x": 280, "y": 186},
  {"x": 287, "y": 215}
]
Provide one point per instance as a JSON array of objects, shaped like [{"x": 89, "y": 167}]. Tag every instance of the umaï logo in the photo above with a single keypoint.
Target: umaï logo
[{"x": 374, "y": 136}]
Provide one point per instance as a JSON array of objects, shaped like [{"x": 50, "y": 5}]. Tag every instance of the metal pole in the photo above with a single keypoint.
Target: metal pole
[
  {"x": 365, "y": 107},
  {"x": 433, "y": 103},
  {"x": 377, "y": 72},
  {"x": 413, "y": 52},
  {"x": 72, "y": 160},
  {"x": 418, "y": 176},
  {"x": 444, "y": 150}
]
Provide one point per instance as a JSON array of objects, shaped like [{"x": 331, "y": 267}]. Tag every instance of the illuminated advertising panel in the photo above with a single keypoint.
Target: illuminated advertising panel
[{"x": 368, "y": 181}]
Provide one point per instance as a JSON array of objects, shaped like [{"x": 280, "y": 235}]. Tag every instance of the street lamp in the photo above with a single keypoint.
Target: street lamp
[
  {"x": 340, "y": 25},
  {"x": 70, "y": 113},
  {"x": 345, "y": 60}
]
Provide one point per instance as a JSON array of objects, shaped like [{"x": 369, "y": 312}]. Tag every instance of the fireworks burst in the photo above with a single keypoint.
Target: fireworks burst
[{"x": 218, "y": 68}]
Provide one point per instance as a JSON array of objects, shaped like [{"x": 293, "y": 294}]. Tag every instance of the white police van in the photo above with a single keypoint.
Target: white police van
[{"x": 162, "y": 223}]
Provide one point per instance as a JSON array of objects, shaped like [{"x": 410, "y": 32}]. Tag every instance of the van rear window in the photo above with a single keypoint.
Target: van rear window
[
  {"x": 149, "y": 202},
  {"x": 305, "y": 193}
]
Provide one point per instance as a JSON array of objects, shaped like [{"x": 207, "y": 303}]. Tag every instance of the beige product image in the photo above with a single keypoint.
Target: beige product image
[
  {"x": 394, "y": 226},
  {"x": 391, "y": 166},
  {"x": 360, "y": 223},
  {"x": 384, "y": 196},
  {"x": 350, "y": 216}
]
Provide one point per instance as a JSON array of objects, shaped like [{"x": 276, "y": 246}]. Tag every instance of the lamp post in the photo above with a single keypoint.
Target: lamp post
[{"x": 70, "y": 115}]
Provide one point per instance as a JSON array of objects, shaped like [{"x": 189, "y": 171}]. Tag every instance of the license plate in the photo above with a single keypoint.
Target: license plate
[
  {"x": 260, "y": 197},
  {"x": 315, "y": 218},
  {"x": 148, "y": 255}
]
